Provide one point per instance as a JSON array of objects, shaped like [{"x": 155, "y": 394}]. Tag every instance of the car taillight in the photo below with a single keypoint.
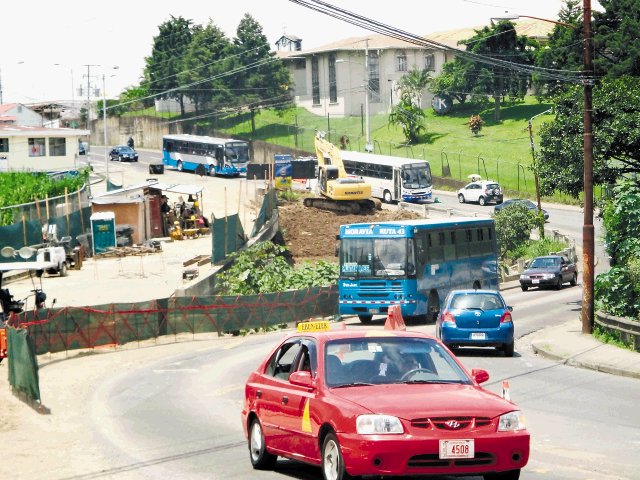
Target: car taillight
[
  {"x": 506, "y": 318},
  {"x": 447, "y": 317}
]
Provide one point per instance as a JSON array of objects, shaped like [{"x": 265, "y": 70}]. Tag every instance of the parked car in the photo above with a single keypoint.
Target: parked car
[
  {"x": 123, "y": 153},
  {"x": 387, "y": 403},
  {"x": 549, "y": 271},
  {"x": 482, "y": 191},
  {"x": 476, "y": 318},
  {"x": 526, "y": 202}
]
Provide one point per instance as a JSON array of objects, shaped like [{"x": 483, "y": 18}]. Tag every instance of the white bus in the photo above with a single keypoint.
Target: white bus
[
  {"x": 218, "y": 156},
  {"x": 392, "y": 179}
]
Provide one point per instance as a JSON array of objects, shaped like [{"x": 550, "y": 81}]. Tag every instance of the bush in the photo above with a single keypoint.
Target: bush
[
  {"x": 263, "y": 268},
  {"x": 536, "y": 248}
]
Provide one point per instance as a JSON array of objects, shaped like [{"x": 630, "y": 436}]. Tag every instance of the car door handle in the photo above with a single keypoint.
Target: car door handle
[
  {"x": 258, "y": 393},
  {"x": 285, "y": 400}
]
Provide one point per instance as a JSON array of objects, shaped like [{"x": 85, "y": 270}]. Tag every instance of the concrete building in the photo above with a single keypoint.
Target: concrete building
[
  {"x": 19, "y": 114},
  {"x": 31, "y": 148},
  {"x": 330, "y": 80}
]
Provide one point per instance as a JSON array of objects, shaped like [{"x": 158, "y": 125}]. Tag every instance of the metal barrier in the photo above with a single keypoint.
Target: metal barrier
[{"x": 626, "y": 329}]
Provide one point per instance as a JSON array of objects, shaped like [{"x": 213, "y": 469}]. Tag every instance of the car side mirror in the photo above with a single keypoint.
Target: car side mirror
[
  {"x": 301, "y": 378},
  {"x": 510, "y": 308},
  {"x": 480, "y": 375}
]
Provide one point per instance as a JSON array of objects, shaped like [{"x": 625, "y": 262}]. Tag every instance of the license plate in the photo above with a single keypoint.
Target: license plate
[
  {"x": 535, "y": 281},
  {"x": 374, "y": 310},
  {"x": 456, "y": 449},
  {"x": 478, "y": 336}
]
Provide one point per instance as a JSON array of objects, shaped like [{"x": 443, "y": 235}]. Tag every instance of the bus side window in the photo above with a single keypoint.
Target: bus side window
[
  {"x": 462, "y": 247},
  {"x": 436, "y": 247}
]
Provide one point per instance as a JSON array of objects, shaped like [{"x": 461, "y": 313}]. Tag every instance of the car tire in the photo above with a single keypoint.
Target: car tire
[
  {"x": 179, "y": 166},
  {"x": 508, "y": 348},
  {"x": 510, "y": 475},
  {"x": 260, "y": 458},
  {"x": 482, "y": 201},
  {"x": 558, "y": 285},
  {"x": 63, "y": 270},
  {"x": 332, "y": 461},
  {"x": 460, "y": 198},
  {"x": 524, "y": 287},
  {"x": 574, "y": 280},
  {"x": 386, "y": 197},
  {"x": 365, "y": 319}
]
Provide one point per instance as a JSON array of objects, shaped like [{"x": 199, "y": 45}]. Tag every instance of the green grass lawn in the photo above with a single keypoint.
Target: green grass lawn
[{"x": 501, "y": 151}]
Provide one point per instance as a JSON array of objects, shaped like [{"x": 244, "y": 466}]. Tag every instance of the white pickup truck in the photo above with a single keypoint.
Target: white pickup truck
[{"x": 53, "y": 260}]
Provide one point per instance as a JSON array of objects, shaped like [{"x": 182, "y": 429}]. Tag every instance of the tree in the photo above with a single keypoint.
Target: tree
[
  {"x": 413, "y": 83},
  {"x": 482, "y": 80},
  {"x": 453, "y": 81},
  {"x": 410, "y": 117},
  {"x": 616, "y": 137},
  {"x": 617, "y": 30},
  {"x": 263, "y": 79},
  {"x": 166, "y": 60},
  {"x": 514, "y": 224},
  {"x": 205, "y": 66},
  {"x": 564, "y": 50}
]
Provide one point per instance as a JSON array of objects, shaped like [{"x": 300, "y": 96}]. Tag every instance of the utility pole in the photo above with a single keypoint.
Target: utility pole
[
  {"x": 588, "y": 247},
  {"x": 104, "y": 127},
  {"x": 89, "y": 93},
  {"x": 367, "y": 145},
  {"x": 535, "y": 172}
]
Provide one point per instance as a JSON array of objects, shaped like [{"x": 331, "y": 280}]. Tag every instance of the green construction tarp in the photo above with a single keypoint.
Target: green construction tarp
[{"x": 23, "y": 365}]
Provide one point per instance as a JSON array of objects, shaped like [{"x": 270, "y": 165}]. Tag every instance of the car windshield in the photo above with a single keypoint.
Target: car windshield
[
  {"x": 387, "y": 360},
  {"x": 126, "y": 150},
  {"x": 545, "y": 263},
  {"x": 479, "y": 301}
]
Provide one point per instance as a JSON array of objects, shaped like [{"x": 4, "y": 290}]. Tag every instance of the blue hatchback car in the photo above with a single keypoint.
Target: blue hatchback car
[{"x": 476, "y": 318}]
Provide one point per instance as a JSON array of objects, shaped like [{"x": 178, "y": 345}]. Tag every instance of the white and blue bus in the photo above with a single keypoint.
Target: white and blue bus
[
  {"x": 218, "y": 156},
  {"x": 413, "y": 264},
  {"x": 392, "y": 179}
]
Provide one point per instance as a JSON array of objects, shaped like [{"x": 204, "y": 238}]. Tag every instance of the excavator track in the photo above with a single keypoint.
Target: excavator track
[{"x": 353, "y": 207}]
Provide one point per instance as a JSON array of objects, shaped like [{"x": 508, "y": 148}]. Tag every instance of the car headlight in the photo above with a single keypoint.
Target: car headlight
[
  {"x": 511, "y": 422},
  {"x": 378, "y": 424},
  {"x": 548, "y": 276},
  {"x": 524, "y": 277}
]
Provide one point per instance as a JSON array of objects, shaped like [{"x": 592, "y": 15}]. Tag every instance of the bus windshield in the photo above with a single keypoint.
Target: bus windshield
[
  {"x": 380, "y": 257},
  {"x": 416, "y": 176},
  {"x": 237, "y": 152}
]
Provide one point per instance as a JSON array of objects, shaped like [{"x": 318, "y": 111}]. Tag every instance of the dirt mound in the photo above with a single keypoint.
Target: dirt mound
[{"x": 310, "y": 233}]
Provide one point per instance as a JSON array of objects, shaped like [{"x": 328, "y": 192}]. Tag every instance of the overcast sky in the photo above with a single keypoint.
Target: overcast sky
[{"x": 38, "y": 34}]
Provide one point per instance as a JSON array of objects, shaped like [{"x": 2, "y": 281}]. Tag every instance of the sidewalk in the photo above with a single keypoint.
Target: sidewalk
[{"x": 565, "y": 343}]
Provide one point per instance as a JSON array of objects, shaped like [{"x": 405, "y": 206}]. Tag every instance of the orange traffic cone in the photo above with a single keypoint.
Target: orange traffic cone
[
  {"x": 394, "y": 319},
  {"x": 505, "y": 390}
]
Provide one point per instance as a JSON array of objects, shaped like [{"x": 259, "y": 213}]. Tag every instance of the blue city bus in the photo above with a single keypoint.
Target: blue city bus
[
  {"x": 214, "y": 156},
  {"x": 414, "y": 264}
]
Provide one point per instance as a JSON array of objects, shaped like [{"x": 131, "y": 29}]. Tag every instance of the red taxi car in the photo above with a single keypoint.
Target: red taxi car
[{"x": 379, "y": 403}]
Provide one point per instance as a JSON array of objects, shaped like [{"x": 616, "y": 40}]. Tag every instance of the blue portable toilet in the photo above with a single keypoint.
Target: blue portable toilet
[{"x": 103, "y": 228}]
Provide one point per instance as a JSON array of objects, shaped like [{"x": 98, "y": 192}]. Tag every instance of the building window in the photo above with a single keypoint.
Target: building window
[
  {"x": 300, "y": 64},
  {"x": 315, "y": 81},
  {"x": 37, "y": 147},
  {"x": 401, "y": 61},
  {"x": 333, "y": 87},
  {"x": 4, "y": 145},
  {"x": 430, "y": 62},
  {"x": 57, "y": 147},
  {"x": 374, "y": 77}
]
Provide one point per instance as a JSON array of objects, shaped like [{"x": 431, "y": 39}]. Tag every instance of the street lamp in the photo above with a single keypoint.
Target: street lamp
[
  {"x": 368, "y": 146},
  {"x": 588, "y": 230},
  {"x": 535, "y": 171}
]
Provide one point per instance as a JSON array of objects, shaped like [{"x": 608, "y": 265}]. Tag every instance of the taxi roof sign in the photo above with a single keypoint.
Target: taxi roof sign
[{"x": 320, "y": 326}]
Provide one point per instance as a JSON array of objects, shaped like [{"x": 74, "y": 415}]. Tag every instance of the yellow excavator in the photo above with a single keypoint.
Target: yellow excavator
[{"x": 339, "y": 192}]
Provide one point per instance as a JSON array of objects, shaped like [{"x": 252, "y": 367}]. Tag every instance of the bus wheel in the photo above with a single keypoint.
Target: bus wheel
[
  {"x": 366, "y": 319},
  {"x": 179, "y": 166},
  {"x": 386, "y": 196},
  {"x": 433, "y": 306}
]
